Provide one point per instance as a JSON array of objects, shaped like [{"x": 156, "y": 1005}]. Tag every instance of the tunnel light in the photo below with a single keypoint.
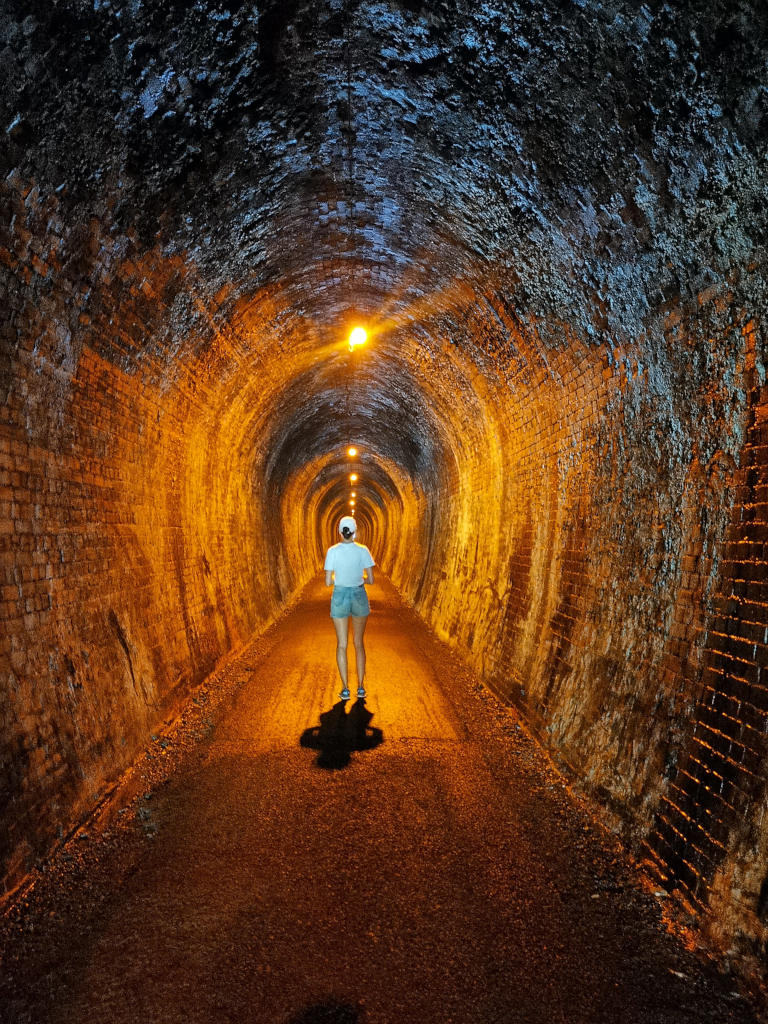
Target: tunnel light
[
  {"x": 352, "y": 502},
  {"x": 353, "y": 478},
  {"x": 353, "y": 494},
  {"x": 359, "y": 336},
  {"x": 351, "y": 452}
]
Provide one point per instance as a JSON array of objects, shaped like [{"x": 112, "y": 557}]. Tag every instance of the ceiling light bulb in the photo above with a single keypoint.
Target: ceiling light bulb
[{"x": 359, "y": 336}]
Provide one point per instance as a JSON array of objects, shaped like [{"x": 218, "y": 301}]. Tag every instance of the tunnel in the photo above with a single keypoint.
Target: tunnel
[{"x": 550, "y": 219}]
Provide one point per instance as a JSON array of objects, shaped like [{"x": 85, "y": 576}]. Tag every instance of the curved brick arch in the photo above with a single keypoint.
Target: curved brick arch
[{"x": 551, "y": 219}]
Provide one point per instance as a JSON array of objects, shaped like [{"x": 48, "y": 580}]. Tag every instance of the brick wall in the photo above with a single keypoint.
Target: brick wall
[
  {"x": 552, "y": 217},
  {"x": 129, "y": 559},
  {"x": 627, "y": 575},
  {"x": 708, "y": 837}
]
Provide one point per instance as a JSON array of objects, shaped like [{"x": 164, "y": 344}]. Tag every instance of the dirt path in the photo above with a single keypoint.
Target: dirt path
[{"x": 412, "y": 859}]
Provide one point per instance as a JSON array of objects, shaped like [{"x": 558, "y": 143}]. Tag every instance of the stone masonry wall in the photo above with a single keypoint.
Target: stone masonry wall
[
  {"x": 128, "y": 557},
  {"x": 627, "y": 581},
  {"x": 551, "y": 217}
]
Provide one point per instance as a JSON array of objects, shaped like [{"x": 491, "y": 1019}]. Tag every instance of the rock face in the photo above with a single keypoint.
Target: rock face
[{"x": 551, "y": 218}]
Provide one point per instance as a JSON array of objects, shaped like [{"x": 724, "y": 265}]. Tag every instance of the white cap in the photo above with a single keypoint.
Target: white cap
[{"x": 349, "y": 523}]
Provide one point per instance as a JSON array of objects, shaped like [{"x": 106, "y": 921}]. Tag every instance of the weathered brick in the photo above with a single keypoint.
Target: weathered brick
[{"x": 569, "y": 442}]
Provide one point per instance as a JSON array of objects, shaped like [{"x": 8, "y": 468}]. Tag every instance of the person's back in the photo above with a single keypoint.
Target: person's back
[{"x": 347, "y": 561}]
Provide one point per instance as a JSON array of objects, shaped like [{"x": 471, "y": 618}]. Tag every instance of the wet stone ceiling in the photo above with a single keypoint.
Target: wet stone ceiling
[
  {"x": 576, "y": 163},
  {"x": 588, "y": 160}
]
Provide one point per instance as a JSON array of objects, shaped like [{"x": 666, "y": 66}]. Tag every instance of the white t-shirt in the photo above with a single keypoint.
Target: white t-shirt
[{"x": 347, "y": 562}]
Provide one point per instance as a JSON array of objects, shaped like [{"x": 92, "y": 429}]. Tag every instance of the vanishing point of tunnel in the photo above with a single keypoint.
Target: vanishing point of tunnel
[{"x": 550, "y": 219}]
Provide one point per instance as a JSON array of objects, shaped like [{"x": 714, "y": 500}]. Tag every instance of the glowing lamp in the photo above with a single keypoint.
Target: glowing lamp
[
  {"x": 352, "y": 502},
  {"x": 359, "y": 336},
  {"x": 353, "y": 494},
  {"x": 351, "y": 452},
  {"x": 353, "y": 478}
]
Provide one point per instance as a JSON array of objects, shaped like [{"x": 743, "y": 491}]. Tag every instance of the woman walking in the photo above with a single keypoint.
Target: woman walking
[{"x": 349, "y": 566}]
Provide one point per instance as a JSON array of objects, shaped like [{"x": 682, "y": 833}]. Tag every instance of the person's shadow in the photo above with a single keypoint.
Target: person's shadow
[
  {"x": 329, "y": 1013},
  {"x": 340, "y": 734}
]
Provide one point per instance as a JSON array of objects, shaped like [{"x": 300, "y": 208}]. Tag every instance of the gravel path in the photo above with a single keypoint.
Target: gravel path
[{"x": 277, "y": 858}]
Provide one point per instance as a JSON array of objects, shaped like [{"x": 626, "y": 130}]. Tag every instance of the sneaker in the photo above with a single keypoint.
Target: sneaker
[
  {"x": 361, "y": 692},
  {"x": 344, "y": 694}
]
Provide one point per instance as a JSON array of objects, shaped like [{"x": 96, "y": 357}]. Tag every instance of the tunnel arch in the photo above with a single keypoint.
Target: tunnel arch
[{"x": 552, "y": 220}]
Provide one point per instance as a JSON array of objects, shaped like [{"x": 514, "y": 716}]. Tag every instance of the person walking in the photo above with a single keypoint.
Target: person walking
[{"x": 349, "y": 566}]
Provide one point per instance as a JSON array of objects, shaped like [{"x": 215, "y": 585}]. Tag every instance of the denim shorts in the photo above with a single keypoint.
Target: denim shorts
[{"x": 349, "y": 601}]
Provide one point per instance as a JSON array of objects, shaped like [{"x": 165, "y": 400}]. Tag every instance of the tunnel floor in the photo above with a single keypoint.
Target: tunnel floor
[{"x": 275, "y": 858}]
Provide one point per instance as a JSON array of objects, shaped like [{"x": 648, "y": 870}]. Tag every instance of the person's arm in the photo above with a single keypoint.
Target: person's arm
[
  {"x": 328, "y": 566},
  {"x": 368, "y": 570}
]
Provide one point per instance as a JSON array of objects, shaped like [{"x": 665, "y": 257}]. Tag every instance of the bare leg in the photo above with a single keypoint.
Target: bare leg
[
  {"x": 342, "y": 634},
  {"x": 358, "y": 628}
]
